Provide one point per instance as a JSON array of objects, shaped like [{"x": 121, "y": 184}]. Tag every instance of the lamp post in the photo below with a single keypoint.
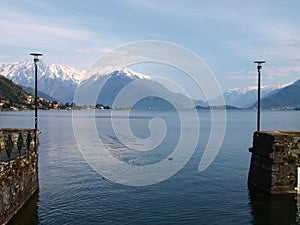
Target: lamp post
[
  {"x": 35, "y": 60},
  {"x": 259, "y": 66}
]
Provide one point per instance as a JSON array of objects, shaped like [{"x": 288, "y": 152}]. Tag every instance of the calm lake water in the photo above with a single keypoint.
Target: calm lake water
[{"x": 71, "y": 192}]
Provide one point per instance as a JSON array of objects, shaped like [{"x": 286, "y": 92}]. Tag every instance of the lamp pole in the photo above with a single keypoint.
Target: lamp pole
[
  {"x": 35, "y": 60},
  {"x": 259, "y": 66}
]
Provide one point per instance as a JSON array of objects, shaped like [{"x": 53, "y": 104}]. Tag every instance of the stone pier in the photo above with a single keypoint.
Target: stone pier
[
  {"x": 18, "y": 170},
  {"x": 274, "y": 161}
]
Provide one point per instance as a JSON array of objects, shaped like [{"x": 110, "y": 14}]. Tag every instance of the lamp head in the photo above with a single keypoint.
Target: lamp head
[
  {"x": 36, "y": 56},
  {"x": 259, "y": 63}
]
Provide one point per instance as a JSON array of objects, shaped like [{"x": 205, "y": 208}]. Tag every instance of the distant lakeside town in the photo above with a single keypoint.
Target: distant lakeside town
[{"x": 28, "y": 104}]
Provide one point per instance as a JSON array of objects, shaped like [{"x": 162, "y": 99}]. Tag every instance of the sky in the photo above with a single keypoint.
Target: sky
[{"x": 227, "y": 35}]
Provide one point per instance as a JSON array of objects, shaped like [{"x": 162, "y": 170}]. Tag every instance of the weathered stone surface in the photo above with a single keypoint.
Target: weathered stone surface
[
  {"x": 274, "y": 161},
  {"x": 18, "y": 171}
]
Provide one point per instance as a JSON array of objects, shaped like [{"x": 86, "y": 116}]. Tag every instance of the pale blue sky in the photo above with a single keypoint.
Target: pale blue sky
[{"x": 227, "y": 35}]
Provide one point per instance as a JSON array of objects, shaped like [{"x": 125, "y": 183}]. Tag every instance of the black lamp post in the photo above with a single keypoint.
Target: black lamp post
[
  {"x": 259, "y": 66},
  {"x": 35, "y": 60}
]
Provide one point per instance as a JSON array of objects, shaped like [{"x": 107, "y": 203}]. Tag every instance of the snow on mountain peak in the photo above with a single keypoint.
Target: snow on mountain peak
[
  {"x": 132, "y": 74},
  {"x": 24, "y": 70},
  {"x": 65, "y": 72},
  {"x": 58, "y": 81},
  {"x": 95, "y": 73},
  {"x": 244, "y": 97},
  {"x": 267, "y": 88}
]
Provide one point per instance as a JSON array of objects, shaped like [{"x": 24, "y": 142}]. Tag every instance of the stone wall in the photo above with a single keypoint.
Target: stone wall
[
  {"x": 274, "y": 161},
  {"x": 18, "y": 170}
]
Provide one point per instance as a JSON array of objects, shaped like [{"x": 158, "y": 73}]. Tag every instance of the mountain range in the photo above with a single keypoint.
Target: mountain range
[
  {"x": 57, "y": 81},
  {"x": 14, "y": 97},
  {"x": 287, "y": 97},
  {"x": 246, "y": 97},
  {"x": 141, "y": 91},
  {"x": 60, "y": 82}
]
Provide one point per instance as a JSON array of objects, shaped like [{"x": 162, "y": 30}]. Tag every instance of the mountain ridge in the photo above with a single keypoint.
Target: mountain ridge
[
  {"x": 15, "y": 97},
  {"x": 57, "y": 81},
  {"x": 246, "y": 97},
  {"x": 128, "y": 86},
  {"x": 10, "y": 92},
  {"x": 60, "y": 82},
  {"x": 287, "y": 97}
]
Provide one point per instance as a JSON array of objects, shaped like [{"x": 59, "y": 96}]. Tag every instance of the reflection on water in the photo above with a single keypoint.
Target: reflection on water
[
  {"x": 274, "y": 209},
  {"x": 72, "y": 193},
  {"x": 28, "y": 215}
]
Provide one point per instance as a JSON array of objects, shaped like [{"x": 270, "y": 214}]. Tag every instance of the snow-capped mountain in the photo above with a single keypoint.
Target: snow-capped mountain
[
  {"x": 246, "y": 97},
  {"x": 135, "y": 89},
  {"x": 61, "y": 81},
  {"x": 287, "y": 97},
  {"x": 57, "y": 81}
]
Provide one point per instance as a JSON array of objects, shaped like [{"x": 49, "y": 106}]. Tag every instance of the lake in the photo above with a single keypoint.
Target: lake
[{"x": 72, "y": 192}]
